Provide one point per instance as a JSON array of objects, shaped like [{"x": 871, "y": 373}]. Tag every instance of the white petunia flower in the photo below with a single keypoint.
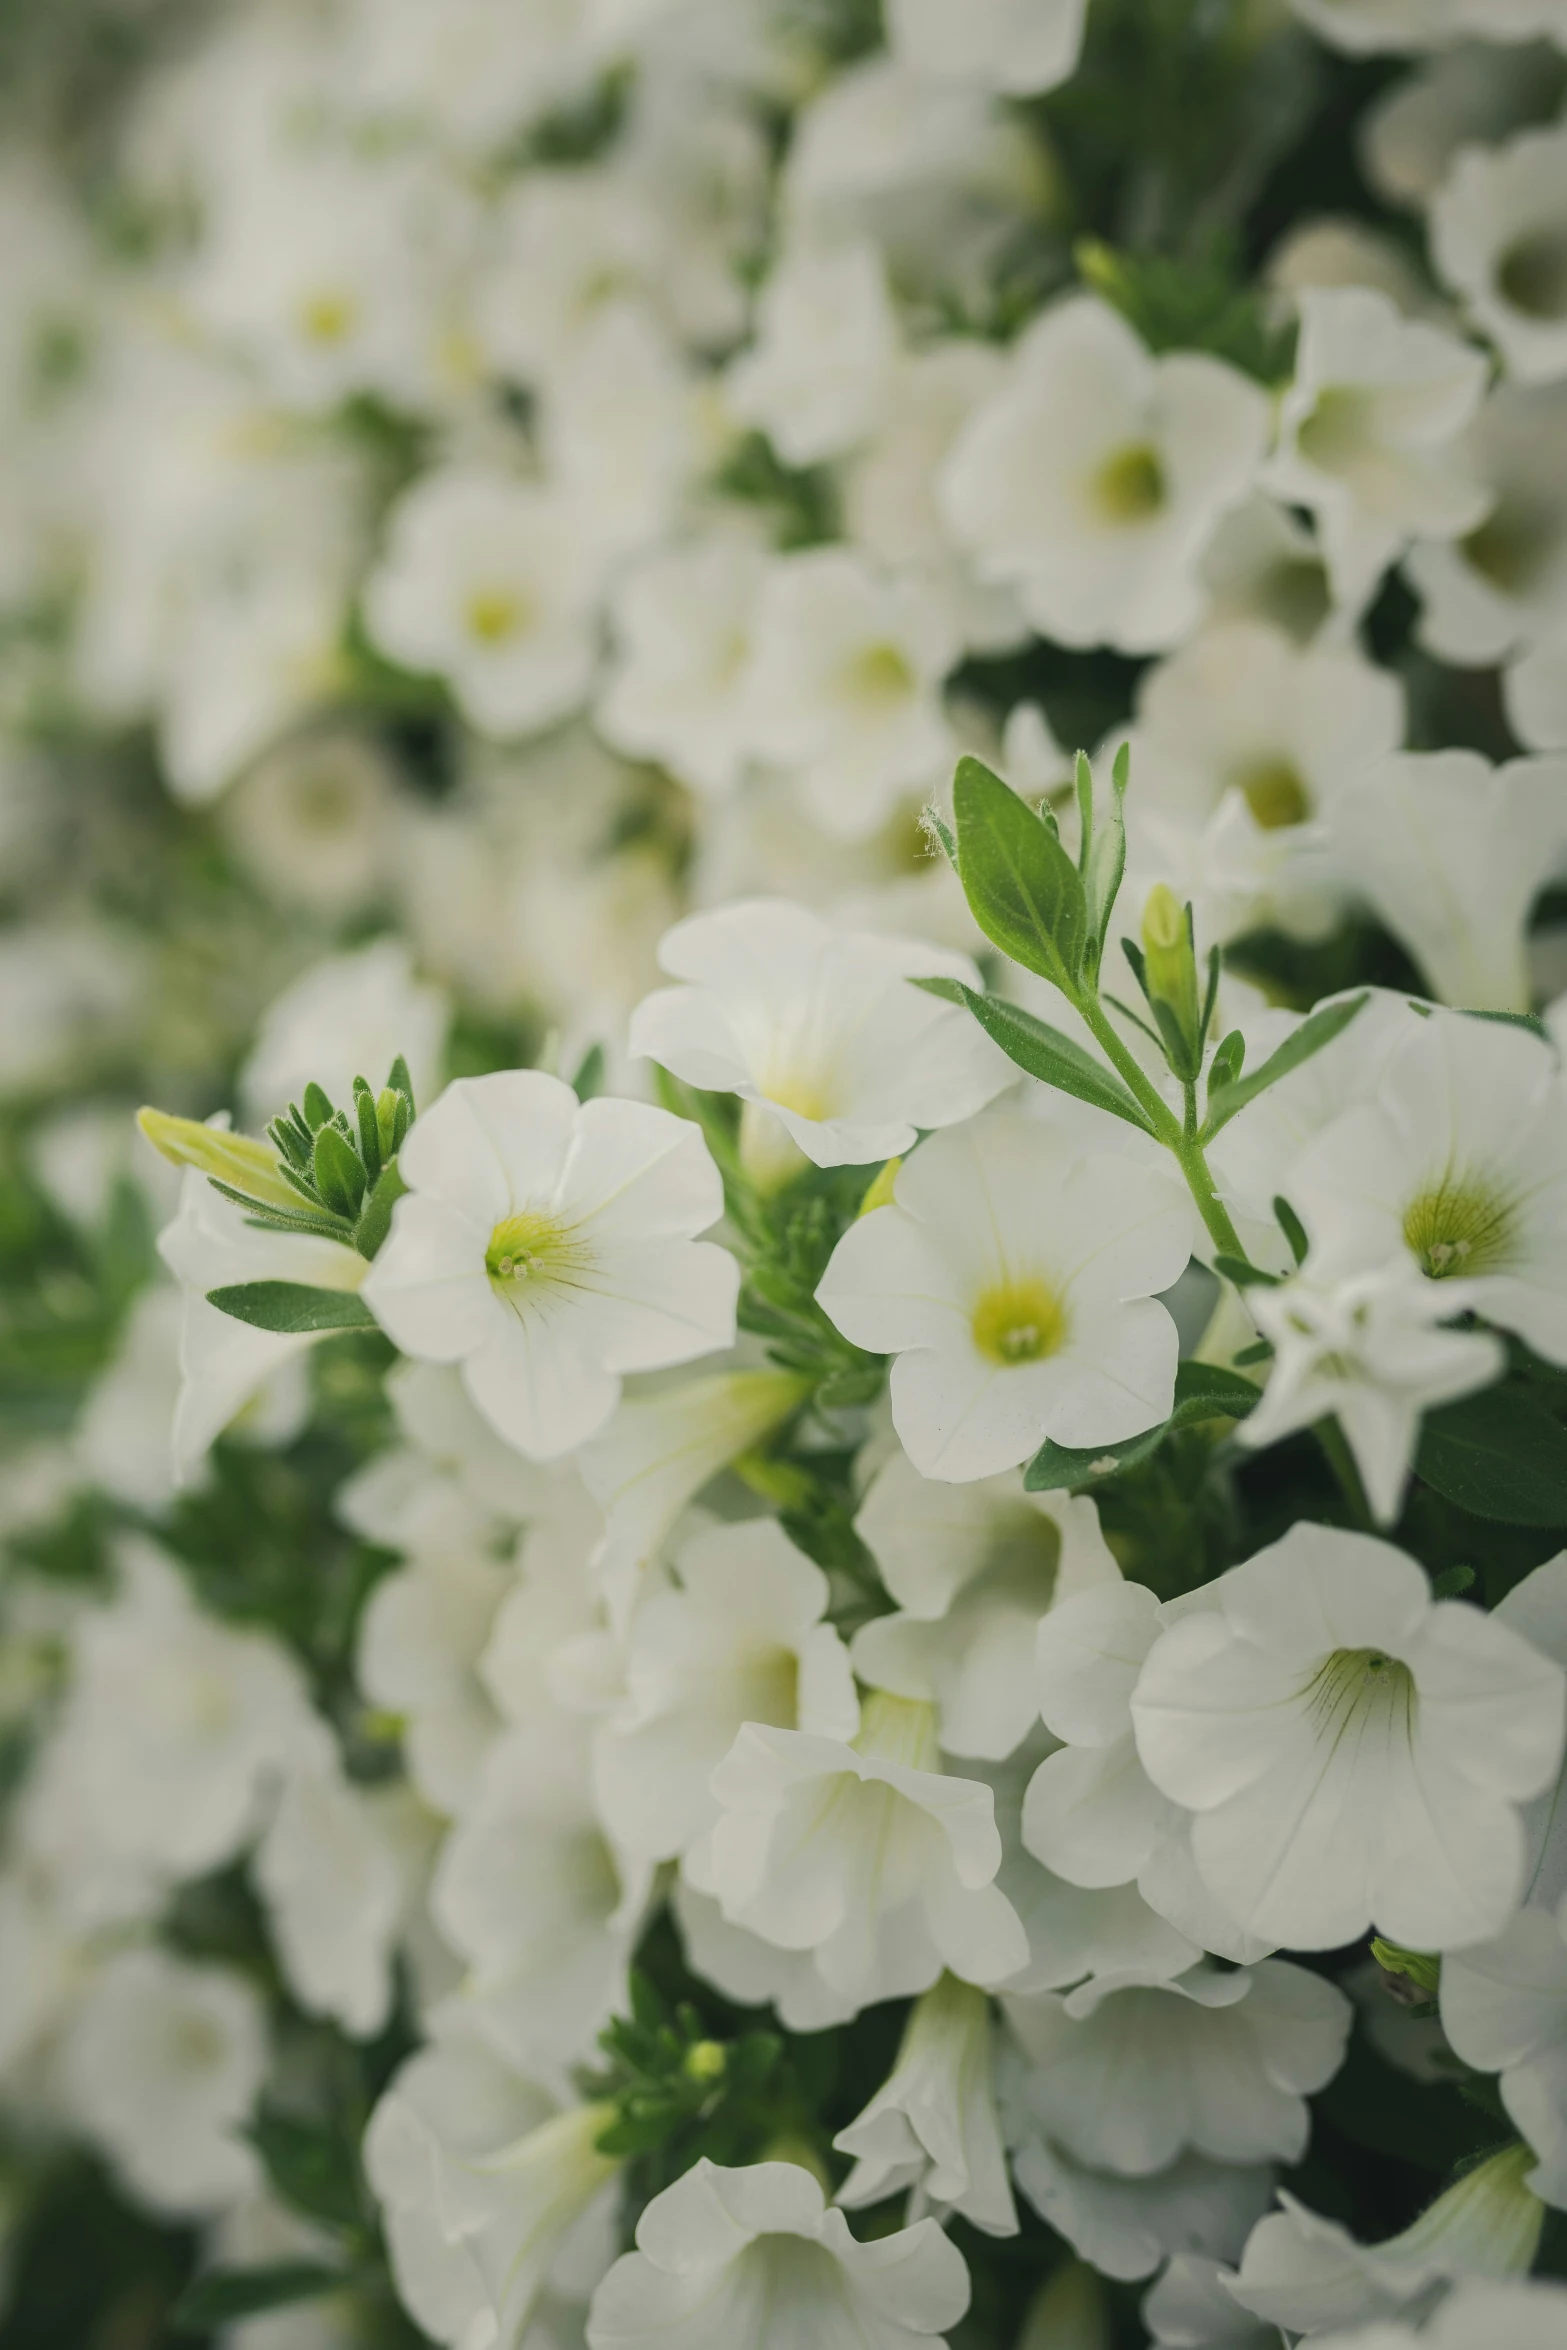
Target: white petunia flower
[
  {"x": 1461, "y": 1159},
  {"x": 334, "y": 1871},
  {"x": 742, "y": 1639},
  {"x": 1016, "y": 1282},
  {"x": 755, "y": 2256},
  {"x": 1305, "y": 2274},
  {"x": 160, "y": 2067},
  {"x": 973, "y": 1568},
  {"x": 1534, "y": 692},
  {"x": 754, "y": 1973},
  {"x": 1503, "y": 588},
  {"x": 680, "y": 693},
  {"x": 311, "y": 821},
  {"x": 547, "y": 1246},
  {"x": 864, "y": 1855},
  {"x": 1497, "y": 237},
  {"x": 933, "y": 2126},
  {"x": 1368, "y": 433},
  {"x": 818, "y": 1031},
  {"x": 1355, "y": 1752},
  {"x": 1472, "y": 95},
  {"x": 826, "y": 340},
  {"x": 621, "y": 431},
  {"x": 1093, "y": 480},
  {"x": 421, "y": 1636},
  {"x": 1504, "y": 2010},
  {"x": 1369, "y": 1348},
  {"x": 488, "y": 581},
  {"x": 1126, "y": 2074},
  {"x": 1262, "y": 563},
  {"x": 1243, "y": 747},
  {"x": 1192, "y": 2308},
  {"x": 349, "y": 1016},
  {"x": 489, "y": 2194},
  {"x": 1526, "y": 2314},
  {"x": 844, "y": 689},
  {"x": 1361, "y": 25},
  {"x": 1016, "y": 46}
]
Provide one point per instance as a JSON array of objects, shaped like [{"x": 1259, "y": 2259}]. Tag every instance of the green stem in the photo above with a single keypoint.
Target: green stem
[
  {"x": 1168, "y": 1129},
  {"x": 1342, "y": 1462}
]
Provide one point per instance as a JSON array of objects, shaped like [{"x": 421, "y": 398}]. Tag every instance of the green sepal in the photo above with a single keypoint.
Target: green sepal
[
  {"x": 375, "y": 1217},
  {"x": 1103, "y": 858},
  {"x": 1043, "y": 1051},
  {"x": 1318, "y": 1029},
  {"x": 339, "y": 1173},
  {"x": 369, "y": 1130},
  {"x": 318, "y": 1106},
  {"x": 1499, "y": 1455},
  {"x": 1229, "y": 1058},
  {"x": 1203, "y": 1391},
  {"x": 292, "y": 1308},
  {"x": 227, "y": 2294},
  {"x": 1022, "y": 888}
]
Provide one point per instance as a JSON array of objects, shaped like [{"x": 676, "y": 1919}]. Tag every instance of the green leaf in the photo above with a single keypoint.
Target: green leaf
[
  {"x": 1043, "y": 1051},
  {"x": 369, "y": 1129},
  {"x": 1498, "y": 1455},
  {"x": 318, "y": 1107},
  {"x": 1104, "y": 862},
  {"x": 1292, "y": 1228},
  {"x": 339, "y": 1174},
  {"x": 312, "y": 2166},
  {"x": 1316, "y": 1030},
  {"x": 292, "y": 1308},
  {"x": 938, "y": 829},
  {"x": 1023, "y": 889},
  {"x": 1202, "y": 1392},
  {"x": 589, "y": 1079},
  {"x": 1229, "y": 1058},
  {"x": 230, "y": 2293},
  {"x": 375, "y": 1217}
]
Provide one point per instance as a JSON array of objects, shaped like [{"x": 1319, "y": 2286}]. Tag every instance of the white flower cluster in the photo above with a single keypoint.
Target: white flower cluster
[{"x": 910, "y": 1640}]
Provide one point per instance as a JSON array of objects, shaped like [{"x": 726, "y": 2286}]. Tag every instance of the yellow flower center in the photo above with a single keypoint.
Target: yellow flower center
[
  {"x": 880, "y": 674},
  {"x": 1511, "y": 548},
  {"x": 494, "y": 614},
  {"x": 532, "y": 1256},
  {"x": 1532, "y": 274},
  {"x": 1275, "y": 794},
  {"x": 1019, "y": 1321},
  {"x": 1130, "y": 485},
  {"x": 329, "y": 318},
  {"x": 1458, "y": 1227},
  {"x": 1355, "y": 1683}
]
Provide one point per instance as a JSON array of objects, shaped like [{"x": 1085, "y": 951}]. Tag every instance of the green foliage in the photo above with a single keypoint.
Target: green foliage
[
  {"x": 224, "y": 2295},
  {"x": 1022, "y": 888},
  {"x": 1203, "y": 1391},
  {"x": 1201, "y": 303},
  {"x": 345, "y": 1172},
  {"x": 291, "y": 1307},
  {"x": 677, "y": 2092},
  {"x": 1318, "y": 1029},
  {"x": 1043, "y": 1051},
  {"x": 1500, "y": 1454}
]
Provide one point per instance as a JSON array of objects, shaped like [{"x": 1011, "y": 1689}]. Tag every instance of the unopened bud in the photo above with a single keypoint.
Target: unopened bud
[
  {"x": 235, "y": 1159},
  {"x": 707, "y": 2060},
  {"x": 1415, "y": 1967},
  {"x": 1170, "y": 966},
  {"x": 388, "y": 1101}
]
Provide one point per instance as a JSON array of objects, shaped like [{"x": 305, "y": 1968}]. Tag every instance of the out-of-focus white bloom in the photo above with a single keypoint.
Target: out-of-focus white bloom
[
  {"x": 1534, "y": 693},
  {"x": 1018, "y": 46},
  {"x": 122, "y": 1438},
  {"x": 826, "y": 338},
  {"x": 889, "y": 490},
  {"x": 65, "y": 988},
  {"x": 421, "y": 1636},
  {"x": 863, "y": 1855},
  {"x": 818, "y": 1028},
  {"x": 844, "y": 686},
  {"x": 310, "y": 822},
  {"x": 1452, "y": 854},
  {"x": 659, "y": 1451},
  {"x": 1461, "y": 1161},
  {"x": 1497, "y": 238},
  {"x": 1355, "y": 1751},
  {"x": 683, "y": 624},
  {"x": 160, "y": 2066},
  {"x": 452, "y": 1488},
  {"x": 333, "y": 1869},
  {"x": 620, "y": 431},
  {"x": 256, "y": 2233},
  {"x": 1016, "y": 1282},
  {"x": 1345, "y": 252},
  {"x": 755, "y": 2256},
  {"x": 489, "y": 2194},
  {"x": 350, "y": 1016},
  {"x": 223, "y": 1361},
  {"x": 974, "y": 1569},
  {"x": 1192, "y": 2308},
  {"x": 1368, "y": 433},
  {"x": 1125, "y": 2075},
  {"x": 1093, "y": 480},
  {"x": 1306, "y": 2274},
  {"x": 755, "y": 1973},
  {"x": 488, "y": 581},
  {"x": 1526, "y": 2313},
  {"x": 174, "y": 1730},
  {"x": 1370, "y": 1349},
  {"x": 1504, "y": 2010},
  {"x": 1262, "y": 563},
  {"x": 1091, "y": 1813},
  {"x": 1244, "y": 744},
  {"x": 1360, "y": 25},
  {"x": 742, "y": 1639},
  {"x": 563, "y": 245},
  {"x": 1472, "y": 95},
  {"x": 547, "y": 1246},
  {"x": 42, "y": 1965},
  {"x": 1503, "y": 587},
  {"x": 932, "y": 2126}
]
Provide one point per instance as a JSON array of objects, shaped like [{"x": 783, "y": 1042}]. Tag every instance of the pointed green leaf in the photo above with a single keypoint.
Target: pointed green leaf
[
  {"x": 1319, "y": 1028},
  {"x": 339, "y": 1174},
  {"x": 1043, "y": 1051},
  {"x": 1202, "y": 1392},
  {"x": 369, "y": 1131},
  {"x": 312, "y": 2164},
  {"x": 375, "y": 1217},
  {"x": 318, "y": 1106},
  {"x": 1498, "y": 1455},
  {"x": 231, "y": 2293},
  {"x": 292, "y": 1308},
  {"x": 1023, "y": 889},
  {"x": 1106, "y": 864}
]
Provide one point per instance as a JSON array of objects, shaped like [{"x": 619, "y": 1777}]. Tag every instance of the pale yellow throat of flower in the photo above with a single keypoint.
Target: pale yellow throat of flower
[
  {"x": 1460, "y": 1225},
  {"x": 535, "y": 1258},
  {"x": 1019, "y": 1320}
]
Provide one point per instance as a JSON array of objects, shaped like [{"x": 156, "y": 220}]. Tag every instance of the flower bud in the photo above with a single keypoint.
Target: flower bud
[{"x": 235, "y": 1159}]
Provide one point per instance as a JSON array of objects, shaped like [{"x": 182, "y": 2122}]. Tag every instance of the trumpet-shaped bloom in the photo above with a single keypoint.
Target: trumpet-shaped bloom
[
  {"x": 819, "y": 1028},
  {"x": 1370, "y": 1349},
  {"x": 1093, "y": 480},
  {"x": 1127, "y": 2074},
  {"x": 1504, "y": 2010},
  {"x": 865, "y": 1855},
  {"x": 973, "y": 1568},
  {"x": 1019, "y": 46},
  {"x": 742, "y": 1639},
  {"x": 933, "y": 2126},
  {"x": 1504, "y": 587},
  {"x": 1497, "y": 238},
  {"x": 826, "y": 339},
  {"x": 1015, "y": 1279},
  {"x": 755, "y": 2256},
  {"x": 547, "y": 1246},
  {"x": 1355, "y": 1752},
  {"x": 1461, "y": 1161},
  {"x": 1368, "y": 433},
  {"x": 680, "y": 691}
]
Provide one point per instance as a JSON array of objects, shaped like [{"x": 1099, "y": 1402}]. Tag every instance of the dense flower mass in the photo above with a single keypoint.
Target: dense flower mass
[{"x": 783, "y": 1560}]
